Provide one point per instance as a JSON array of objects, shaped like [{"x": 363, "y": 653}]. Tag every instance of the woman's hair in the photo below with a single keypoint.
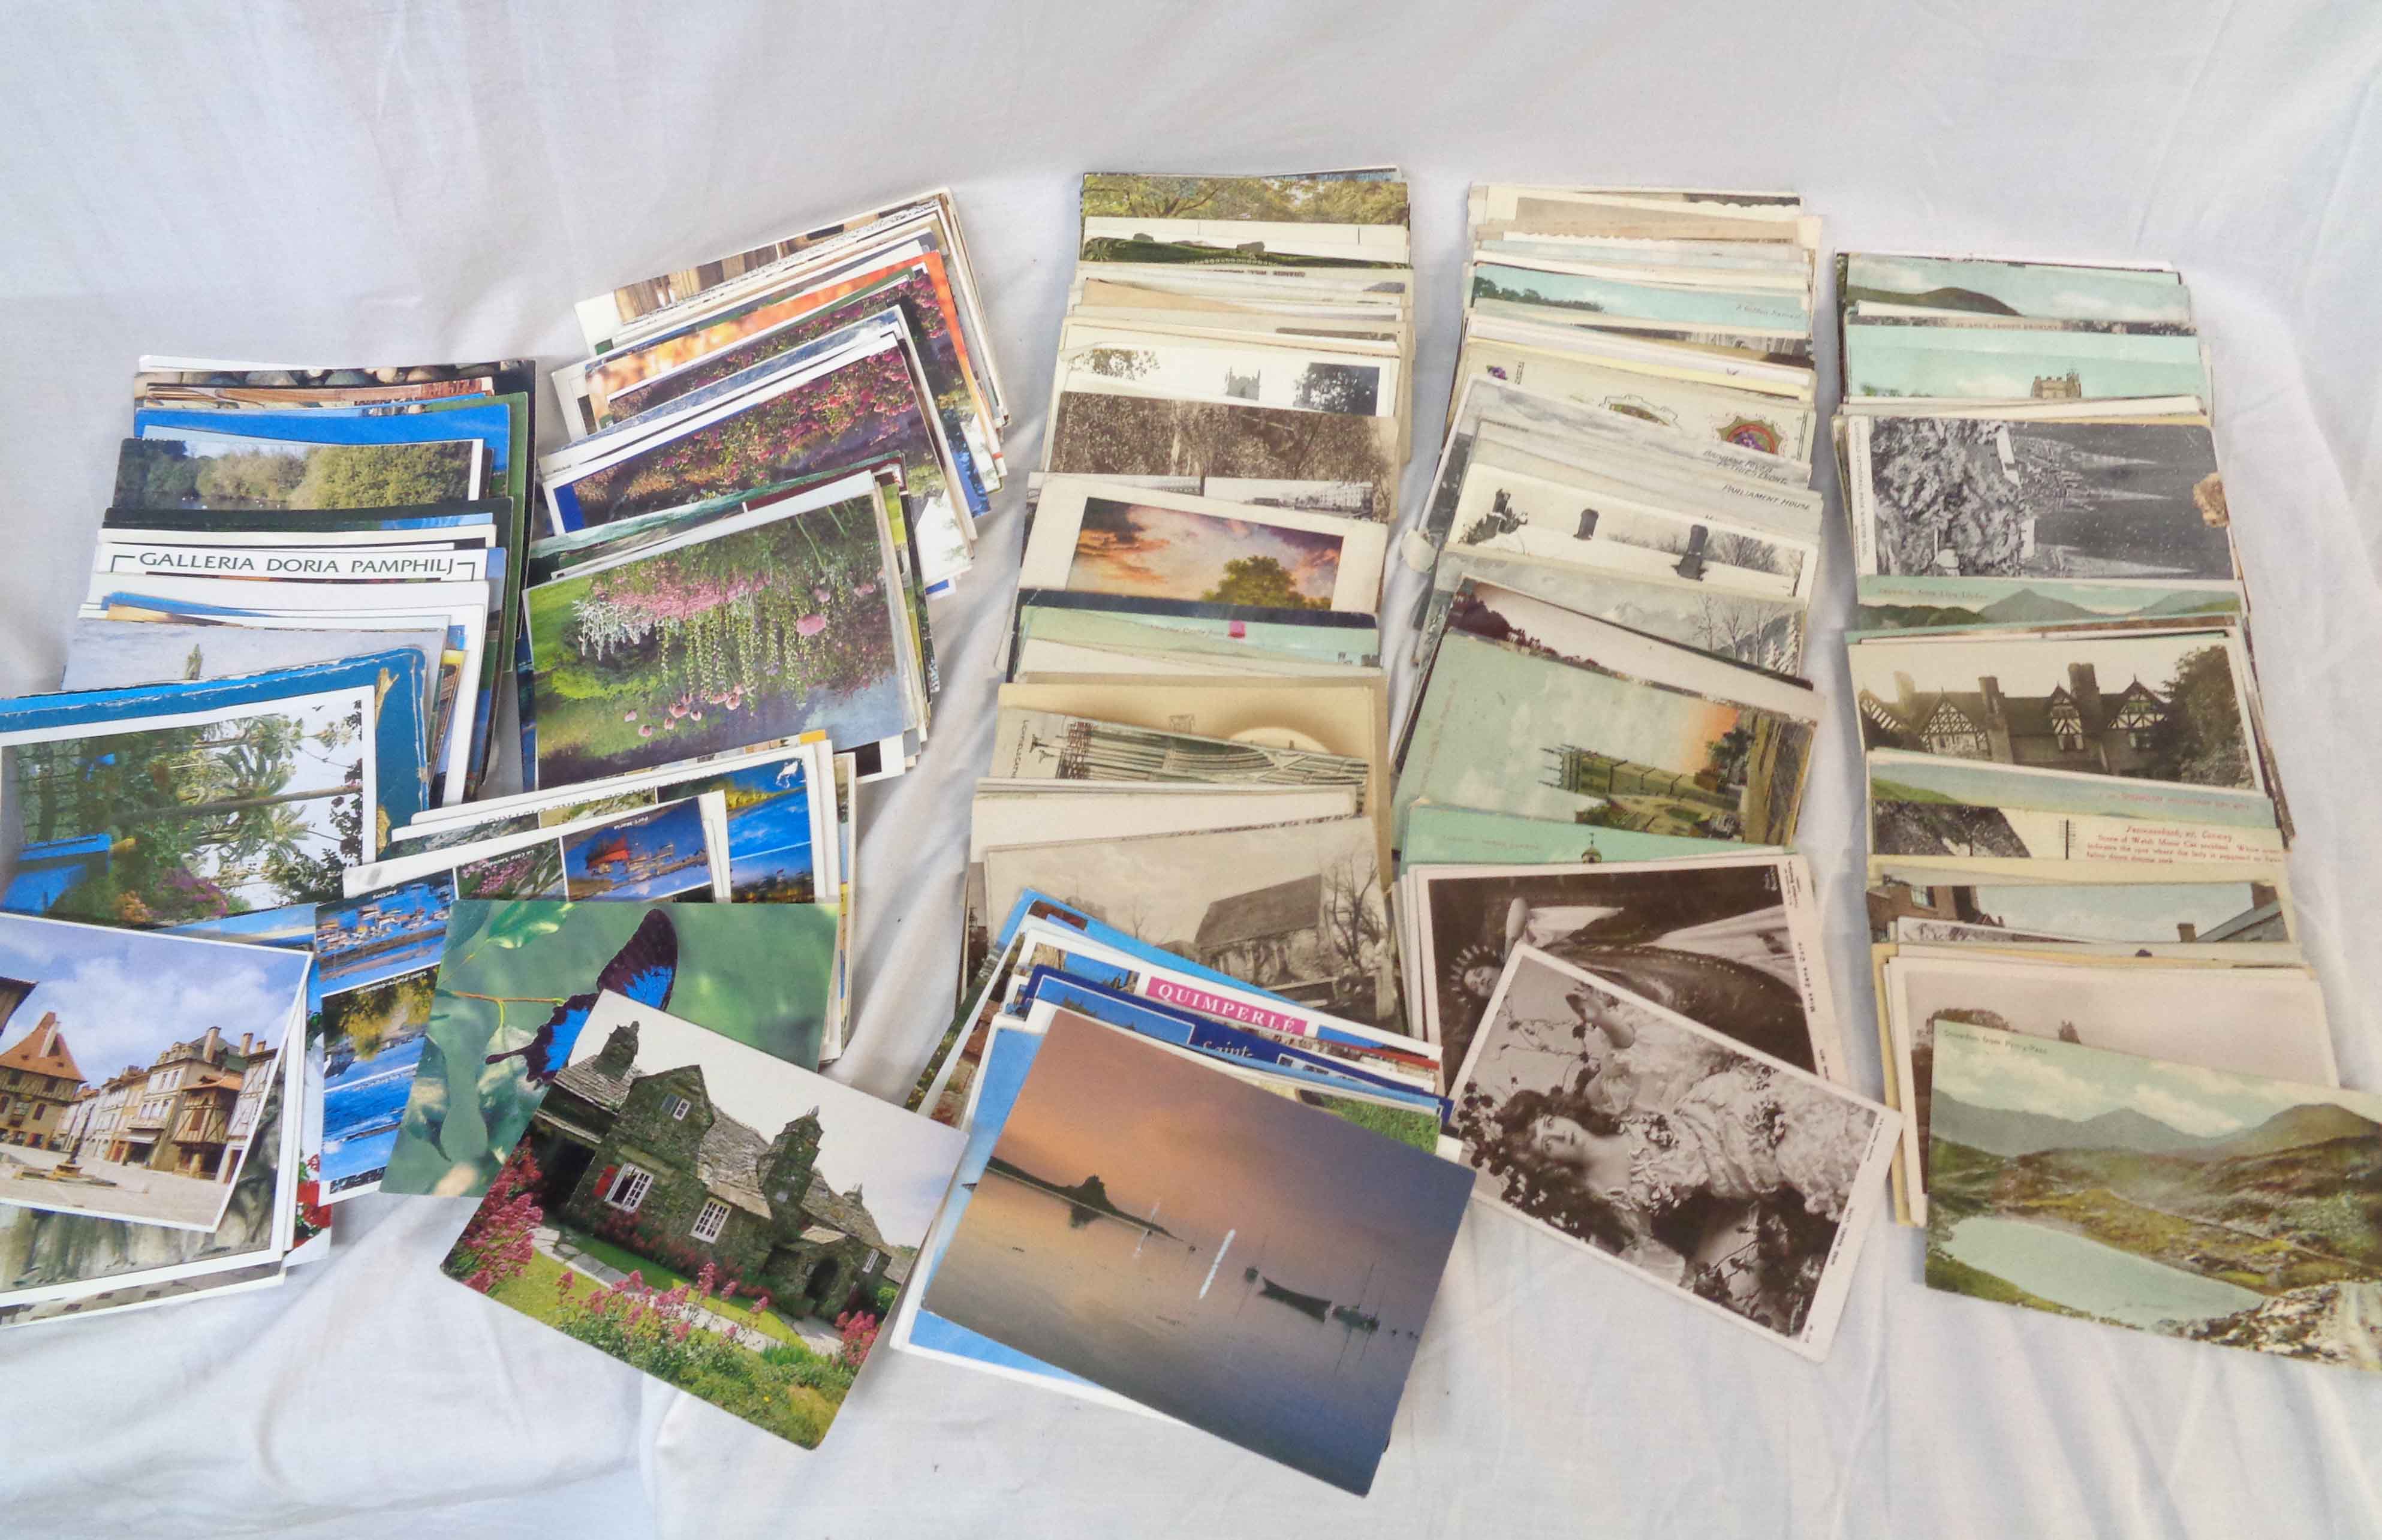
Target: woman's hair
[
  {"x": 1549, "y": 1188},
  {"x": 1524, "y": 1109}
]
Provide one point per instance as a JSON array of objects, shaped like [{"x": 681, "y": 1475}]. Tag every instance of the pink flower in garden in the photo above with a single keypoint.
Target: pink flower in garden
[
  {"x": 629, "y": 716},
  {"x": 563, "y": 1283},
  {"x": 810, "y": 625},
  {"x": 727, "y": 1289},
  {"x": 694, "y": 716},
  {"x": 636, "y": 1277},
  {"x": 822, "y": 593},
  {"x": 669, "y": 726},
  {"x": 645, "y": 732},
  {"x": 761, "y": 1305},
  {"x": 678, "y": 1332}
]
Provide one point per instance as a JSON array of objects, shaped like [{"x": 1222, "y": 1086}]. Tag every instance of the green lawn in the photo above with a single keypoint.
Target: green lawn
[{"x": 663, "y": 1279}]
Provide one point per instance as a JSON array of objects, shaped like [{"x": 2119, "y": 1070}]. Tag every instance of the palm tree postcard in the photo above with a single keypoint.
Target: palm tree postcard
[
  {"x": 731, "y": 1224},
  {"x": 2191, "y": 1203},
  {"x": 518, "y": 977},
  {"x": 162, "y": 804},
  {"x": 745, "y": 631},
  {"x": 1226, "y": 1256},
  {"x": 138, "y": 1065},
  {"x": 1094, "y": 537}
]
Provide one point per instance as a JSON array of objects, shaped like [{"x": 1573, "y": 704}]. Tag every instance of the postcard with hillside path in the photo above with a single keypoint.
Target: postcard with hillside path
[
  {"x": 515, "y": 982},
  {"x": 1134, "y": 1226},
  {"x": 1716, "y": 1173},
  {"x": 2215, "y": 1207},
  {"x": 733, "y": 1224},
  {"x": 185, "y": 1037}
]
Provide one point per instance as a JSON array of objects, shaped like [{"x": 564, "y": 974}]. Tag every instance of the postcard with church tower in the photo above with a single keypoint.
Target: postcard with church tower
[{"x": 726, "y": 1222}]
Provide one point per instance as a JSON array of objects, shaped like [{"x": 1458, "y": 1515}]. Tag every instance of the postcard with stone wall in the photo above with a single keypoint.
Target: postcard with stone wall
[
  {"x": 1134, "y": 1226},
  {"x": 180, "y": 1089},
  {"x": 2213, "y": 1208},
  {"x": 1716, "y": 1173},
  {"x": 734, "y": 1226}
]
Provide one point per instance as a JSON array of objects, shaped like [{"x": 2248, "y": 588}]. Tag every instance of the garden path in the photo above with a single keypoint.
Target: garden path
[{"x": 816, "y": 1336}]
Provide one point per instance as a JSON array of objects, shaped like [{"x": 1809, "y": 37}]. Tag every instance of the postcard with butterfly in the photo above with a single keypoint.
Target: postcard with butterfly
[{"x": 516, "y": 980}]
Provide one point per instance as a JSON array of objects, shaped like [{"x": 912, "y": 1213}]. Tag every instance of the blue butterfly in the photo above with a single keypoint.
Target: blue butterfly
[{"x": 643, "y": 969}]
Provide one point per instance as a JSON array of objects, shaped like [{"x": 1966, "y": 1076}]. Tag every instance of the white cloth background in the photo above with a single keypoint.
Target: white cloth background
[{"x": 390, "y": 181}]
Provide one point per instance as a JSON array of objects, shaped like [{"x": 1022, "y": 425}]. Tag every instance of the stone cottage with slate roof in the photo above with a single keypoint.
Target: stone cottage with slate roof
[
  {"x": 2076, "y": 726},
  {"x": 648, "y": 1160}
]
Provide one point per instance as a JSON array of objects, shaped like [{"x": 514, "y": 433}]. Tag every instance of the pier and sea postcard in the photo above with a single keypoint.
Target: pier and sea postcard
[{"x": 1231, "y": 1258}]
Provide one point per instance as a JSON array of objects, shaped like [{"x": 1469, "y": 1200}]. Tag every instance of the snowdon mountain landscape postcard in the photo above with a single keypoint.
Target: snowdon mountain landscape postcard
[{"x": 2191, "y": 1203}]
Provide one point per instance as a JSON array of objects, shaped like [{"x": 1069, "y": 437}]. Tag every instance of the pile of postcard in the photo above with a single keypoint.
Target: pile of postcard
[
  {"x": 2091, "y": 995},
  {"x": 1120, "y": 1227},
  {"x": 1248, "y": 339},
  {"x": 1630, "y": 429},
  {"x": 858, "y": 343}
]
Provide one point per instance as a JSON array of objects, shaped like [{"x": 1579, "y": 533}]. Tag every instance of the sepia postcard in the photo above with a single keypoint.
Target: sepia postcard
[{"x": 1664, "y": 1148}]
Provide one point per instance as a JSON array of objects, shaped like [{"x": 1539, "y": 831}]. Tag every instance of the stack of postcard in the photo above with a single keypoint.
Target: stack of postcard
[
  {"x": 265, "y": 517},
  {"x": 861, "y": 342},
  {"x": 1631, "y": 425},
  {"x": 153, "y": 1146},
  {"x": 1243, "y": 338},
  {"x": 1120, "y": 1228}
]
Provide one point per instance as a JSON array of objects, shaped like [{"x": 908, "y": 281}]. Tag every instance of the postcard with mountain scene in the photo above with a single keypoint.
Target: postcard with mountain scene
[
  {"x": 731, "y": 1224},
  {"x": 2192, "y": 1203}
]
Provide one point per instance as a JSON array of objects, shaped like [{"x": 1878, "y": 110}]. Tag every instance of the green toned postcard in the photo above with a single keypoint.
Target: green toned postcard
[
  {"x": 518, "y": 978},
  {"x": 1454, "y": 836}
]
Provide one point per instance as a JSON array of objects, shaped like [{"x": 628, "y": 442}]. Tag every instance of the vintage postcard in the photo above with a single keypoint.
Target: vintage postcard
[
  {"x": 1104, "y": 434},
  {"x": 1731, "y": 942},
  {"x": 1505, "y": 730},
  {"x": 517, "y": 979},
  {"x": 2154, "y": 707},
  {"x": 1983, "y": 287},
  {"x": 1454, "y": 836},
  {"x": 1131, "y": 1227},
  {"x": 1669, "y": 1151},
  {"x": 80, "y": 1009},
  {"x": 1765, "y": 631},
  {"x": 2191, "y": 1203},
  {"x": 1049, "y": 745},
  {"x": 2245, "y": 1021},
  {"x": 1891, "y": 358},
  {"x": 1925, "y": 604},
  {"x": 733, "y": 1224},
  {"x": 1972, "y": 496},
  {"x": 2190, "y": 913},
  {"x": 1291, "y": 908},
  {"x": 1094, "y": 537}
]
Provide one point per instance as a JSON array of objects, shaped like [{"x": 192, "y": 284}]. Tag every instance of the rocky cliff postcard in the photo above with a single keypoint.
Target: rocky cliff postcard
[
  {"x": 1662, "y": 1146},
  {"x": 2215, "y": 1207},
  {"x": 1133, "y": 1224},
  {"x": 2266, "y": 1022},
  {"x": 517, "y": 979},
  {"x": 1731, "y": 943},
  {"x": 1973, "y": 496},
  {"x": 734, "y": 1226},
  {"x": 178, "y": 1042}
]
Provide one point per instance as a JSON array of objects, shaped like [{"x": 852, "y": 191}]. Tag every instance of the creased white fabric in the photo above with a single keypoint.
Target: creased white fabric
[{"x": 390, "y": 182}]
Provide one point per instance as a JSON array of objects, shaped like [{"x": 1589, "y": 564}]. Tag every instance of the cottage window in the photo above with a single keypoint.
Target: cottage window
[
  {"x": 711, "y": 1221},
  {"x": 2071, "y": 743},
  {"x": 629, "y": 1189},
  {"x": 2141, "y": 738},
  {"x": 679, "y": 1105}
]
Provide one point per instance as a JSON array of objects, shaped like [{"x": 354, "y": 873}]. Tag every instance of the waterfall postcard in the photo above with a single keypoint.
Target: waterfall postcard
[
  {"x": 1225, "y": 1256},
  {"x": 2191, "y": 1203}
]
